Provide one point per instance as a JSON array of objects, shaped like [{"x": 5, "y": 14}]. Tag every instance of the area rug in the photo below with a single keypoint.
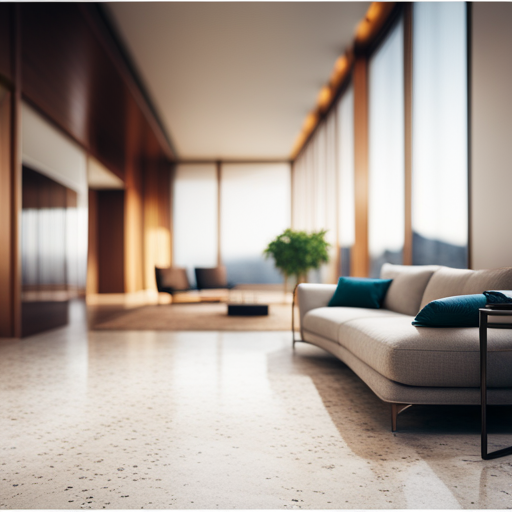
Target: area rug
[{"x": 198, "y": 317}]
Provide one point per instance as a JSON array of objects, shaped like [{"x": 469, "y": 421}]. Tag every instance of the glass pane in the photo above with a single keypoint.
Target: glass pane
[
  {"x": 440, "y": 146},
  {"x": 195, "y": 217},
  {"x": 255, "y": 208},
  {"x": 386, "y": 152},
  {"x": 346, "y": 179}
]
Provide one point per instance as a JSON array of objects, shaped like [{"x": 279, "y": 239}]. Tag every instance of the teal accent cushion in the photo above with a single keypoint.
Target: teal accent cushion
[
  {"x": 359, "y": 292},
  {"x": 459, "y": 311}
]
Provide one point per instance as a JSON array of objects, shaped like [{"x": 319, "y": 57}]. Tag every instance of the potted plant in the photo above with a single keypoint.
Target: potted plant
[{"x": 295, "y": 253}]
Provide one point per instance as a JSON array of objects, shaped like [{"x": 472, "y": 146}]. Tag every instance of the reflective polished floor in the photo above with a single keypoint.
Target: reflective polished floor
[{"x": 205, "y": 420}]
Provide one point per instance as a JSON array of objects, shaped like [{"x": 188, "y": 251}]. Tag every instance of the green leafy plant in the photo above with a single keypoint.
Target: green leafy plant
[{"x": 297, "y": 252}]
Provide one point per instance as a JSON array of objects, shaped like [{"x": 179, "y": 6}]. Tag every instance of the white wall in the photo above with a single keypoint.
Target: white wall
[
  {"x": 491, "y": 125},
  {"x": 48, "y": 151}
]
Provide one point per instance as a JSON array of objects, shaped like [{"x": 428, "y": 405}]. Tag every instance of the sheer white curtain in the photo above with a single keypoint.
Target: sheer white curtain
[
  {"x": 345, "y": 156},
  {"x": 319, "y": 176},
  {"x": 440, "y": 145},
  {"x": 195, "y": 217},
  {"x": 386, "y": 152},
  {"x": 255, "y": 208},
  {"x": 315, "y": 188},
  {"x": 330, "y": 271}
]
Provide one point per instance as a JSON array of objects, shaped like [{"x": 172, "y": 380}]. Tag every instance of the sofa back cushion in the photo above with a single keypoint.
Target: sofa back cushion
[
  {"x": 407, "y": 288},
  {"x": 448, "y": 282},
  {"x": 481, "y": 280}
]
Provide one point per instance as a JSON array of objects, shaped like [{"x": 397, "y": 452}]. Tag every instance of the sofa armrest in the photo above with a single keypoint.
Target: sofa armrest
[{"x": 312, "y": 296}]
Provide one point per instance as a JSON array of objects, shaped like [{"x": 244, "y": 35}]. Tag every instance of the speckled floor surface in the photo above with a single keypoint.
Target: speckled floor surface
[{"x": 164, "y": 420}]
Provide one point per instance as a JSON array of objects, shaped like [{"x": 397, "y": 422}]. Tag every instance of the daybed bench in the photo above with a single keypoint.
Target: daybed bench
[{"x": 406, "y": 365}]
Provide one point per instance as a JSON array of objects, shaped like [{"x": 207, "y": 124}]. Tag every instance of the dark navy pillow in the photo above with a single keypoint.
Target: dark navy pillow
[
  {"x": 360, "y": 292},
  {"x": 459, "y": 311},
  {"x": 498, "y": 296}
]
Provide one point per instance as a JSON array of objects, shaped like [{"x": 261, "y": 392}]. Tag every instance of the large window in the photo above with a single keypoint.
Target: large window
[
  {"x": 386, "y": 152},
  {"x": 440, "y": 166},
  {"x": 437, "y": 144},
  {"x": 255, "y": 208},
  {"x": 195, "y": 217}
]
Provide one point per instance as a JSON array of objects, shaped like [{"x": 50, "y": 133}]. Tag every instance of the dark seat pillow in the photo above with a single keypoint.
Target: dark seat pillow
[{"x": 172, "y": 279}]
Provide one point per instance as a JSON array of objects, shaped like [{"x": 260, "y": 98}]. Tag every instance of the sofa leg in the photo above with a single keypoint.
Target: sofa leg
[{"x": 396, "y": 409}]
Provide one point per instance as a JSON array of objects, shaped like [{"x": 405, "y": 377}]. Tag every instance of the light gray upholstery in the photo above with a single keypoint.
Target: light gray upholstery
[
  {"x": 406, "y": 291},
  {"x": 481, "y": 280},
  {"x": 311, "y": 296},
  {"x": 413, "y": 365},
  {"x": 393, "y": 392},
  {"x": 420, "y": 356},
  {"x": 448, "y": 282},
  {"x": 327, "y": 321}
]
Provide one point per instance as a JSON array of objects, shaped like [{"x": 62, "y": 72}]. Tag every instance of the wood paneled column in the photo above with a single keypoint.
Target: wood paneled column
[
  {"x": 10, "y": 183},
  {"x": 360, "y": 260},
  {"x": 407, "y": 251}
]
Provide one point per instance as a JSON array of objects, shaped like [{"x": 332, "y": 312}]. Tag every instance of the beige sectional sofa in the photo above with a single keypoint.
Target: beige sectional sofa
[{"x": 406, "y": 365}]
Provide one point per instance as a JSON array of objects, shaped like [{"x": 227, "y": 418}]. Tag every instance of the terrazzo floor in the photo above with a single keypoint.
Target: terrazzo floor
[{"x": 205, "y": 420}]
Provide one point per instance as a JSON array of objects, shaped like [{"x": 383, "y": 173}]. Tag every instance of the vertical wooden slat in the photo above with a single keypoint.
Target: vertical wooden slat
[
  {"x": 469, "y": 45},
  {"x": 6, "y": 214},
  {"x": 407, "y": 251},
  {"x": 150, "y": 205},
  {"x": 360, "y": 260},
  {"x": 111, "y": 243},
  {"x": 337, "y": 170},
  {"x": 16, "y": 176},
  {"x": 92, "y": 247}
]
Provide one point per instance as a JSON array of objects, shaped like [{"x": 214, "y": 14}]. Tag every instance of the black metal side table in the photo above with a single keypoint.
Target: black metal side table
[{"x": 485, "y": 313}]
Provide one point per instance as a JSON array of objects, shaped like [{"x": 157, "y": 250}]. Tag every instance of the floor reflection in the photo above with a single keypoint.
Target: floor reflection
[{"x": 165, "y": 420}]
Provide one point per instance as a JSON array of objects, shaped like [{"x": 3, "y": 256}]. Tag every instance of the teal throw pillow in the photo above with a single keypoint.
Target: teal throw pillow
[
  {"x": 359, "y": 292},
  {"x": 459, "y": 311}
]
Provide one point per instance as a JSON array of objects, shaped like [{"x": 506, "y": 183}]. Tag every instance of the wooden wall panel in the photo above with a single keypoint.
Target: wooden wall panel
[
  {"x": 360, "y": 259},
  {"x": 6, "y": 218},
  {"x": 407, "y": 251},
  {"x": 134, "y": 196},
  {"x": 157, "y": 220},
  {"x": 67, "y": 74},
  {"x": 111, "y": 241},
  {"x": 64, "y": 61},
  {"x": 92, "y": 246}
]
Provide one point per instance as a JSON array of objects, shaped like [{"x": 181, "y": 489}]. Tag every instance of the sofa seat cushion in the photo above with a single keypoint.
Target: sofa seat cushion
[
  {"x": 326, "y": 321},
  {"x": 423, "y": 356}
]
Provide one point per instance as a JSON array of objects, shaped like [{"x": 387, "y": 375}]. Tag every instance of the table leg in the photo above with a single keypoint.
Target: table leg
[{"x": 483, "y": 390}]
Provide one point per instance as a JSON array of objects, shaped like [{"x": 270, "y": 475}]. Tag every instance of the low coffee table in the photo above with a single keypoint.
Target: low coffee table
[{"x": 247, "y": 309}]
